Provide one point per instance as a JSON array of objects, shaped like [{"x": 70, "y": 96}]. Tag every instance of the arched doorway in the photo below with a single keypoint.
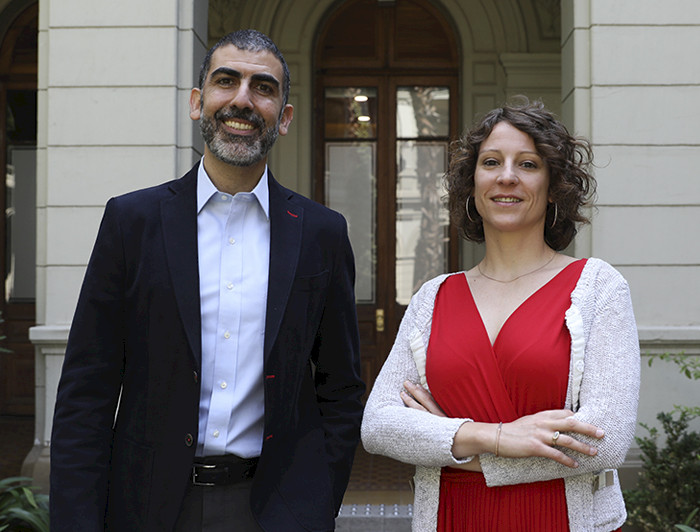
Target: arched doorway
[
  {"x": 18, "y": 113},
  {"x": 386, "y": 76}
]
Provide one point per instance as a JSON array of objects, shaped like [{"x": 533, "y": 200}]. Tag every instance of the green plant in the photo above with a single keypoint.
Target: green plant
[
  {"x": 684, "y": 527},
  {"x": 668, "y": 491},
  {"x": 689, "y": 366},
  {"x": 21, "y": 509}
]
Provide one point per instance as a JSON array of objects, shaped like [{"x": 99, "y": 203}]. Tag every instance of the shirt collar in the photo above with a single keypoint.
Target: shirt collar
[{"x": 206, "y": 189}]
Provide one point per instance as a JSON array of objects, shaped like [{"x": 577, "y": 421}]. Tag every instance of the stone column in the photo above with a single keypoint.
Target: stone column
[{"x": 113, "y": 116}]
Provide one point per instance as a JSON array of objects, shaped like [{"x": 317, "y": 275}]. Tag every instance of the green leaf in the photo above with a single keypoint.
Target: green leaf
[
  {"x": 690, "y": 518},
  {"x": 39, "y": 522},
  {"x": 13, "y": 482},
  {"x": 29, "y": 496}
]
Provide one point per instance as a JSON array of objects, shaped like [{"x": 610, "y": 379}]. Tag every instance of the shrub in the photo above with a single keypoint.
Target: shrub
[
  {"x": 668, "y": 492},
  {"x": 21, "y": 510}
]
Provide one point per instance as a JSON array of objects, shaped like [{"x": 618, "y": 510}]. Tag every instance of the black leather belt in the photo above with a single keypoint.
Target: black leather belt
[{"x": 222, "y": 470}]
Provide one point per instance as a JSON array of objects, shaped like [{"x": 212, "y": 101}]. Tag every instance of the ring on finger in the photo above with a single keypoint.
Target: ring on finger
[{"x": 555, "y": 437}]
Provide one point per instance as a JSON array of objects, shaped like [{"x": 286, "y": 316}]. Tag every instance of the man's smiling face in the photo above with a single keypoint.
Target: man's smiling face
[{"x": 241, "y": 106}]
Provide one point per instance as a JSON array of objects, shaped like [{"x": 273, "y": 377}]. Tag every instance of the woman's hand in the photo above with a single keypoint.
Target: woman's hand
[
  {"x": 541, "y": 434},
  {"x": 544, "y": 433},
  {"x": 418, "y": 398}
]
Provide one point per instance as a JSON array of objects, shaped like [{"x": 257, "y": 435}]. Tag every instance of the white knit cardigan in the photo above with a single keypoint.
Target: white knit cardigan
[{"x": 603, "y": 389}]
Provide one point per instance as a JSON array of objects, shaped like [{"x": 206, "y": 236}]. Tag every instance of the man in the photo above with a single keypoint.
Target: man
[{"x": 211, "y": 379}]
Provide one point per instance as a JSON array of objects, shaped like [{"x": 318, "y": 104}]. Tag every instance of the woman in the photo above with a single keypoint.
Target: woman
[{"x": 513, "y": 387}]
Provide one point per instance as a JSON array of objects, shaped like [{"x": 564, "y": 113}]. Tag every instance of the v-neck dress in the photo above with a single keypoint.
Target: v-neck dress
[{"x": 525, "y": 371}]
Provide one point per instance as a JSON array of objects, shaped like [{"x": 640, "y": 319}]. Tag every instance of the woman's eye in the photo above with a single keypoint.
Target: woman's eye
[
  {"x": 529, "y": 164},
  {"x": 490, "y": 162}
]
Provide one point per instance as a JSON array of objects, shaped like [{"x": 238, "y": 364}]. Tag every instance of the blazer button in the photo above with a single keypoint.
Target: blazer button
[
  {"x": 196, "y": 377},
  {"x": 189, "y": 440}
]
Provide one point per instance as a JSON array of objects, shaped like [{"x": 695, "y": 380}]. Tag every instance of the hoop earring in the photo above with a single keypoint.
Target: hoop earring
[
  {"x": 468, "y": 215},
  {"x": 556, "y": 215}
]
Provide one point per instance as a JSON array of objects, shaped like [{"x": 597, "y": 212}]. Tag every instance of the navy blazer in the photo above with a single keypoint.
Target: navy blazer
[{"x": 126, "y": 419}]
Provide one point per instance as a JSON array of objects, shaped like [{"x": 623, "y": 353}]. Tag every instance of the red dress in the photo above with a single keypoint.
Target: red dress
[{"x": 525, "y": 371}]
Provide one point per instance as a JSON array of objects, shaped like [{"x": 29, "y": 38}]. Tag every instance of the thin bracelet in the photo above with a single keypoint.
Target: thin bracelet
[{"x": 498, "y": 436}]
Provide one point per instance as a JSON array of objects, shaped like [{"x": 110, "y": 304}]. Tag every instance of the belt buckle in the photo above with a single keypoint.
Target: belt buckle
[{"x": 196, "y": 482}]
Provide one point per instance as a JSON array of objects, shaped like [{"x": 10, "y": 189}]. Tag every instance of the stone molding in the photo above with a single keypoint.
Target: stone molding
[{"x": 669, "y": 339}]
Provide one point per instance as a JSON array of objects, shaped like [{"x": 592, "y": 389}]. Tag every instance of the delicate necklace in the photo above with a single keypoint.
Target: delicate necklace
[{"x": 478, "y": 267}]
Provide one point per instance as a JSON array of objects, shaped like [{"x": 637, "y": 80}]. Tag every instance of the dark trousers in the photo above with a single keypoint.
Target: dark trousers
[{"x": 217, "y": 509}]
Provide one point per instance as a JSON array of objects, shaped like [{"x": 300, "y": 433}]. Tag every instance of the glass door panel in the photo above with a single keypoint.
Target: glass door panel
[
  {"x": 20, "y": 197},
  {"x": 422, "y": 221},
  {"x": 20, "y": 225},
  {"x": 422, "y": 224},
  {"x": 350, "y": 175},
  {"x": 350, "y": 113},
  {"x": 350, "y": 189},
  {"x": 422, "y": 112}
]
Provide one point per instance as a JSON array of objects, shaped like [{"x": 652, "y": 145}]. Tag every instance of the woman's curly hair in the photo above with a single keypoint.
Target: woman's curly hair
[{"x": 568, "y": 159}]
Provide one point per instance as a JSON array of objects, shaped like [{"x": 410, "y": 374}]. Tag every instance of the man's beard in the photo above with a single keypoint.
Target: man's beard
[{"x": 238, "y": 150}]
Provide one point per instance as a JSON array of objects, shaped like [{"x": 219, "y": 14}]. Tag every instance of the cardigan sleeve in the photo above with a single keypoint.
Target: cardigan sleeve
[
  {"x": 609, "y": 391},
  {"x": 389, "y": 427}
]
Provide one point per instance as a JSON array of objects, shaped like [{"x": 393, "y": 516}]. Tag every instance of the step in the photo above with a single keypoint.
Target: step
[{"x": 374, "y": 518}]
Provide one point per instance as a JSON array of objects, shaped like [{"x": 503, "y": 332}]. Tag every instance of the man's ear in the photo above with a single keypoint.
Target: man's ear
[
  {"x": 195, "y": 104},
  {"x": 287, "y": 115}
]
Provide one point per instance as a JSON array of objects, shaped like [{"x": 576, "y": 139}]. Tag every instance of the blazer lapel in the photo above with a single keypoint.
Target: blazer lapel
[
  {"x": 179, "y": 218},
  {"x": 286, "y": 221}
]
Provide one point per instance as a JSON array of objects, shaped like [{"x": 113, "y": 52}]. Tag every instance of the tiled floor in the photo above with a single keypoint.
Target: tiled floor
[
  {"x": 16, "y": 437},
  {"x": 379, "y": 480}
]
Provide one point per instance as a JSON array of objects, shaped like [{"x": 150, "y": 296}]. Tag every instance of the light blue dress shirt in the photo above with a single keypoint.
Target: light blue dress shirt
[{"x": 234, "y": 261}]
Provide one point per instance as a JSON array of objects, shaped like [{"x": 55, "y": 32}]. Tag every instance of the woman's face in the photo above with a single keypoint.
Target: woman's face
[{"x": 511, "y": 182}]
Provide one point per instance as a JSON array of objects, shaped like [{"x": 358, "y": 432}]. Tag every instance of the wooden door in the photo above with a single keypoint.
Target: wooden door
[
  {"x": 384, "y": 121},
  {"x": 18, "y": 114}
]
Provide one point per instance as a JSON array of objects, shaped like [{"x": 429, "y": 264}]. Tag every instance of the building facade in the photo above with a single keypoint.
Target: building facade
[{"x": 379, "y": 89}]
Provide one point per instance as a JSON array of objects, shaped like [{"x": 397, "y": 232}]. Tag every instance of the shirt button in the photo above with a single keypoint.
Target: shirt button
[
  {"x": 223, "y": 385},
  {"x": 579, "y": 365},
  {"x": 227, "y": 335},
  {"x": 215, "y": 433},
  {"x": 224, "y": 197},
  {"x": 231, "y": 240},
  {"x": 229, "y": 286}
]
